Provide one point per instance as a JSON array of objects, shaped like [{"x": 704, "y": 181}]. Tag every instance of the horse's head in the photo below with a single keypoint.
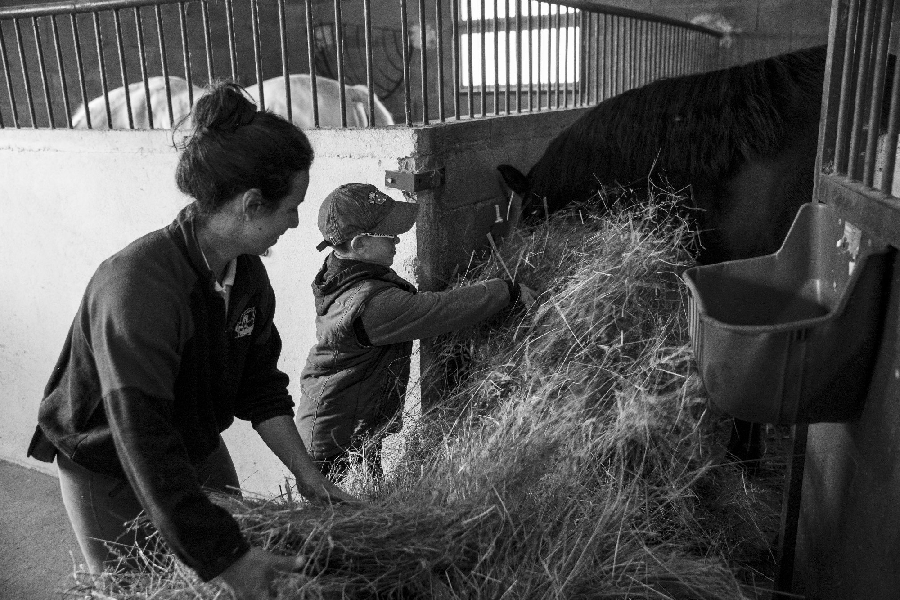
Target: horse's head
[{"x": 533, "y": 206}]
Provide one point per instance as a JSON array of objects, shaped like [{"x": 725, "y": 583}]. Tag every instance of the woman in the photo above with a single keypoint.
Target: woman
[{"x": 174, "y": 339}]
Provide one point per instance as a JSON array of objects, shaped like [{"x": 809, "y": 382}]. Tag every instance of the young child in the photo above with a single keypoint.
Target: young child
[{"x": 367, "y": 317}]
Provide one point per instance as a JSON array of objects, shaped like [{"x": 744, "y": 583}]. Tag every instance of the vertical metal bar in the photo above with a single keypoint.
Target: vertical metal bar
[
  {"x": 496, "y": 62},
  {"x": 229, "y": 25},
  {"x": 6, "y": 71},
  {"x": 257, "y": 52},
  {"x": 204, "y": 8},
  {"x": 632, "y": 58},
  {"x": 469, "y": 57},
  {"x": 404, "y": 33},
  {"x": 439, "y": 25},
  {"x": 123, "y": 70},
  {"x": 881, "y": 56},
  {"x": 558, "y": 51},
  {"x": 792, "y": 500},
  {"x": 285, "y": 67},
  {"x": 102, "y": 64},
  {"x": 893, "y": 133},
  {"x": 530, "y": 59},
  {"x": 536, "y": 56},
  {"x": 454, "y": 42},
  {"x": 165, "y": 64},
  {"x": 367, "y": 24},
  {"x": 482, "y": 25},
  {"x": 565, "y": 60},
  {"x": 23, "y": 61},
  {"x": 339, "y": 35},
  {"x": 186, "y": 53},
  {"x": 518, "y": 4},
  {"x": 862, "y": 78},
  {"x": 143, "y": 58},
  {"x": 423, "y": 38},
  {"x": 603, "y": 61},
  {"x": 62, "y": 72},
  {"x": 78, "y": 62},
  {"x": 508, "y": 28},
  {"x": 42, "y": 67},
  {"x": 616, "y": 62},
  {"x": 314, "y": 92}
]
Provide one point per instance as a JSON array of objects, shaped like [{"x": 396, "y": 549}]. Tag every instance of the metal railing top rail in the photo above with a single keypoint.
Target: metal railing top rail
[
  {"x": 73, "y": 7},
  {"x": 87, "y": 6},
  {"x": 618, "y": 11}
]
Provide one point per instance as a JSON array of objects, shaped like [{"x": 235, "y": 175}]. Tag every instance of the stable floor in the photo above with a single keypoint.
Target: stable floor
[{"x": 38, "y": 550}]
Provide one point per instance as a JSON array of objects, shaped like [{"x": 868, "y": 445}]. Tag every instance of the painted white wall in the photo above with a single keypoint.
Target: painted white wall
[{"x": 70, "y": 199}]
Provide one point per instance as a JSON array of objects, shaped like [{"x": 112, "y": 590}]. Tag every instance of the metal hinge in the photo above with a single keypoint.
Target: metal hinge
[{"x": 414, "y": 182}]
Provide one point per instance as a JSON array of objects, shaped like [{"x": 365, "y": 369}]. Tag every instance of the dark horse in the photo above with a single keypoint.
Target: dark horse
[{"x": 742, "y": 140}]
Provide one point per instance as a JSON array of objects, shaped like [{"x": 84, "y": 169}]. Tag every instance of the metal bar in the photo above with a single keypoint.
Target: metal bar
[
  {"x": 423, "y": 39},
  {"x": 454, "y": 48},
  {"x": 285, "y": 67},
  {"x": 257, "y": 52},
  {"x": 367, "y": 24},
  {"x": 123, "y": 70},
  {"x": 229, "y": 25},
  {"x": 42, "y": 67},
  {"x": 558, "y": 52},
  {"x": 439, "y": 25},
  {"x": 881, "y": 56},
  {"x": 24, "y": 63},
  {"x": 790, "y": 514},
  {"x": 483, "y": 96},
  {"x": 518, "y": 56},
  {"x": 565, "y": 62},
  {"x": 165, "y": 64},
  {"x": 204, "y": 9},
  {"x": 602, "y": 69},
  {"x": 891, "y": 138},
  {"x": 530, "y": 58},
  {"x": 80, "y": 64},
  {"x": 143, "y": 58},
  {"x": 102, "y": 65},
  {"x": 6, "y": 72},
  {"x": 536, "y": 57},
  {"x": 496, "y": 63},
  {"x": 507, "y": 29},
  {"x": 62, "y": 73},
  {"x": 469, "y": 57},
  {"x": 186, "y": 53},
  {"x": 314, "y": 92},
  {"x": 862, "y": 78},
  {"x": 404, "y": 34}
]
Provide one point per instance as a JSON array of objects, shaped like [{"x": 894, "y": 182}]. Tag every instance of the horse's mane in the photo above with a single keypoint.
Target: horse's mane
[{"x": 691, "y": 128}]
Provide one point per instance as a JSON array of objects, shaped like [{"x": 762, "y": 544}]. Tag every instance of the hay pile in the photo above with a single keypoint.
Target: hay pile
[{"x": 574, "y": 456}]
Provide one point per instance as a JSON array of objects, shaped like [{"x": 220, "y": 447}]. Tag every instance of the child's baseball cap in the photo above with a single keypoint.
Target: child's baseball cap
[{"x": 356, "y": 208}]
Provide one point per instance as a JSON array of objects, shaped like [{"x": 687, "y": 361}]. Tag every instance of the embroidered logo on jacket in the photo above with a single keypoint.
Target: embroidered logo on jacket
[{"x": 245, "y": 323}]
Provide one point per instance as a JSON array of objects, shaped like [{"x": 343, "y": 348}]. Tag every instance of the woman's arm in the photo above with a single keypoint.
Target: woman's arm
[{"x": 281, "y": 436}]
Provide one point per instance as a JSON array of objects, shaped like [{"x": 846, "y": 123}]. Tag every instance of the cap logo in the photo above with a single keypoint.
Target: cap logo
[{"x": 377, "y": 198}]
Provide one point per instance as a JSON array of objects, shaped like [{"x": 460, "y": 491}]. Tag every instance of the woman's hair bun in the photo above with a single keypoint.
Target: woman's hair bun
[{"x": 224, "y": 107}]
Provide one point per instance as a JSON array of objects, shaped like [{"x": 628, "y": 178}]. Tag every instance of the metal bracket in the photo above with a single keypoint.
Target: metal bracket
[{"x": 414, "y": 182}]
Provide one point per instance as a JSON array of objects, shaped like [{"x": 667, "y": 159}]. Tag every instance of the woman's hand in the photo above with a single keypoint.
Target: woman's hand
[
  {"x": 252, "y": 575},
  {"x": 312, "y": 485}
]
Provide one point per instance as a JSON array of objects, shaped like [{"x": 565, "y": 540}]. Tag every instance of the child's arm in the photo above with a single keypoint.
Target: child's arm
[{"x": 395, "y": 315}]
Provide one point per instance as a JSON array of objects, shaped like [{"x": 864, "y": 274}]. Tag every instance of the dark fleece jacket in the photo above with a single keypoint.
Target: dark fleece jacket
[{"x": 153, "y": 370}]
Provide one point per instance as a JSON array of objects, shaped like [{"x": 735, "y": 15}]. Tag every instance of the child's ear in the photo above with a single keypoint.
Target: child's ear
[
  {"x": 358, "y": 243},
  {"x": 252, "y": 203}
]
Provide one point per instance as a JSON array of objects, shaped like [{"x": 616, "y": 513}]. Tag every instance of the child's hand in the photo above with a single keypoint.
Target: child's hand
[{"x": 527, "y": 296}]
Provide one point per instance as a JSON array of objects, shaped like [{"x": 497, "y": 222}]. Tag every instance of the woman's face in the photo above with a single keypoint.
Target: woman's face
[{"x": 264, "y": 228}]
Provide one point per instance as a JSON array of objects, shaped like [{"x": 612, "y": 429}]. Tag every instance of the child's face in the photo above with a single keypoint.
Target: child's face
[{"x": 378, "y": 250}]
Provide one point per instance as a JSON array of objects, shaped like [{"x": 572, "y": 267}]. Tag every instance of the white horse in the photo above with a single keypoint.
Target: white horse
[
  {"x": 159, "y": 106},
  {"x": 327, "y": 93}
]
